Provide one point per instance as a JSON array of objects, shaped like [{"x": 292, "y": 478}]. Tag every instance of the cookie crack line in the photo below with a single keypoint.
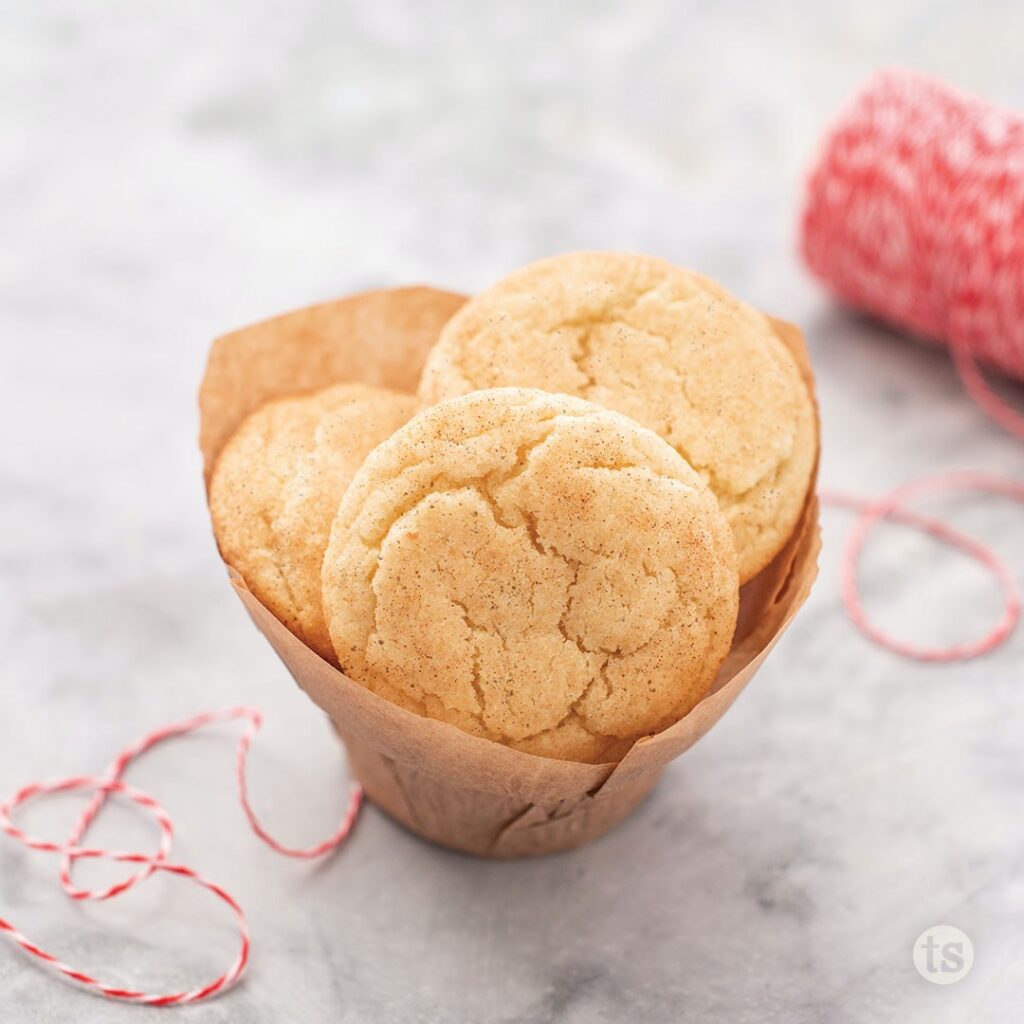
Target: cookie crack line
[
  {"x": 550, "y": 550},
  {"x": 528, "y": 526},
  {"x": 475, "y": 679},
  {"x": 584, "y": 354},
  {"x": 445, "y": 484},
  {"x": 527, "y": 523},
  {"x": 274, "y": 558},
  {"x": 522, "y": 455},
  {"x": 604, "y": 654},
  {"x": 715, "y": 481},
  {"x": 547, "y": 418}
]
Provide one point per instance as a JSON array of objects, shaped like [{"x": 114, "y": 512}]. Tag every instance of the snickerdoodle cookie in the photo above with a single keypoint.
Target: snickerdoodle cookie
[
  {"x": 276, "y": 486},
  {"x": 533, "y": 569},
  {"x": 667, "y": 347}
]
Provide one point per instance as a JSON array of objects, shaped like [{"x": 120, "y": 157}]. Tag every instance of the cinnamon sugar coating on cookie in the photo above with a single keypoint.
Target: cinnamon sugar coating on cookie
[
  {"x": 667, "y": 347},
  {"x": 535, "y": 570},
  {"x": 275, "y": 490}
]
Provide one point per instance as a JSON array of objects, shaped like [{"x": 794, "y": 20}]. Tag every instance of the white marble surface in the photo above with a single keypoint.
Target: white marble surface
[{"x": 170, "y": 170}]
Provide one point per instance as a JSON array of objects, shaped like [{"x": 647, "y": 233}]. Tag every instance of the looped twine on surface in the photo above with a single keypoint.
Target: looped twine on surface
[
  {"x": 892, "y": 506},
  {"x": 73, "y": 849}
]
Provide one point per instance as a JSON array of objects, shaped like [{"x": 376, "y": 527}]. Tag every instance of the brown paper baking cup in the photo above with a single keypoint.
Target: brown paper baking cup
[{"x": 459, "y": 790}]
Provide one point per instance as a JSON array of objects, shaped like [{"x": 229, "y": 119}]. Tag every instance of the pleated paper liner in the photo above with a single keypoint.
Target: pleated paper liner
[{"x": 459, "y": 790}]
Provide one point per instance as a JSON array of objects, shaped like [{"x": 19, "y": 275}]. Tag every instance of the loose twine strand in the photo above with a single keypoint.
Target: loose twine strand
[
  {"x": 915, "y": 213},
  {"x": 892, "y": 507},
  {"x": 73, "y": 849}
]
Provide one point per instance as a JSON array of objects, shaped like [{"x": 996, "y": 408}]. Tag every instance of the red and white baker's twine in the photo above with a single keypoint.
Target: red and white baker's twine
[
  {"x": 110, "y": 782},
  {"x": 915, "y": 213},
  {"x": 892, "y": 506}
]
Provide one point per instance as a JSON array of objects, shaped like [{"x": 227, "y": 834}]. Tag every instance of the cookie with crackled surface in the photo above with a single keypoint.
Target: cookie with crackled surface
[
  {"x": 275, "y": 490},
  {"x": 667, "y": 347},
  {"x": 534, "y": 569}
]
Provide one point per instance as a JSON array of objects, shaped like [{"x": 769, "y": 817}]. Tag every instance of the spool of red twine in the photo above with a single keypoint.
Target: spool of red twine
[{"x": 915, "y": 213}]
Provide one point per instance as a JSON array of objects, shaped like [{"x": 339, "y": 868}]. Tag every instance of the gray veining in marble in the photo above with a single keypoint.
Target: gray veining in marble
[{"x": 170, "y": 170}]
